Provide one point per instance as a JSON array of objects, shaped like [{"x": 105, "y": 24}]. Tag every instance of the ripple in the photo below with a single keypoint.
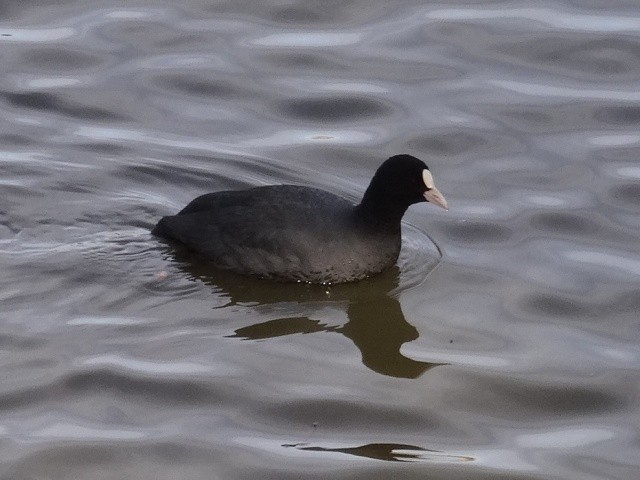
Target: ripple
[
  {"x": 200, "y": 86},
  {"x": 15, "y": 140},
  {"x": 463, "y": 142},
  {"x": 101, "y": 458},
  {"x": 530, "y": 116},
  {"x": 566, "y": 438},
  {"x": 626, "y": 302},
  {"x": 50, "y": 103},
  {"x": 199, "y": 60},
  {"x": 144, "y": 367},
  {"x": 305, "y": 137},
  {"x": 560, "y": 179},
  {"x": 37, "y": 34},
  {"x": 338, "y": 414},
  {"x": 570, "y": 117},
  {"x": 104, "y": 148},
  {"x": 19, "y": 343},
  {"x": 61, "y": 59},
  {"x": 176, "y": 174},
  {"x": 578, "y": 57},
  {"x": 305, "y": 39},
  {"x": 615, "y": 140},
  {"x": 302, "y": 60},
  {"x": 419, "y": 256},
  {"x": 50, "y": 82},
  {"x": 628, "y": 194},
  {"x": 622, "y": 115},
  {"x": 553, "y": 305},
  {"x": 526, "y": 399},
  {"x": 452, "y": 143},
  {"x": 104, "y": 321},
  {"x": 474, "y": 232},
  {"x": 622, "y": 261},
  {"x": 619, "y": 153},
  {"x": 336, "y": 109},
  {"x": 578, "y": 93},
  {"x": 81, "y": 432},
  {"x": 543, "y": 16},
  {"x": 566, "y": 223},
  {"x": 298, "y": 14},
  {"x": 176, "y": 391}
]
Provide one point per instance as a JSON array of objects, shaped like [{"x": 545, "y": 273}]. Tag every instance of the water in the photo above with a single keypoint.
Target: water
[{"x": 504, "y": 345}]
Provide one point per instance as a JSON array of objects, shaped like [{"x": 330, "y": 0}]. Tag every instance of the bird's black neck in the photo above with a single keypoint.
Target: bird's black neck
[{"x": 380, "y": 212}]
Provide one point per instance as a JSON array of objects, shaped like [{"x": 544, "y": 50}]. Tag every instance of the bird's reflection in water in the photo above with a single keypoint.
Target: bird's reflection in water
[
  {"x": 376, "y": 323},
  {"x": 390, "y": 452}
]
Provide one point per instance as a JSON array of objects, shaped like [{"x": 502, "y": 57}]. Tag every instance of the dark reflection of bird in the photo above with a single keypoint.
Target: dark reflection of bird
[
  {"x": 377, "y": 327},
  {"x": 376, "y": 323},
  {"x": 390, "y": 452},
  {"x": 294, "y": 233}
]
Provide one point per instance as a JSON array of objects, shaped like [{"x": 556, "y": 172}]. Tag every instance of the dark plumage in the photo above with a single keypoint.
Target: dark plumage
[{"x": 295, "y": 233}]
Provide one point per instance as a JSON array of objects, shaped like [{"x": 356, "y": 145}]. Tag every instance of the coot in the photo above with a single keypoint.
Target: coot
[{"x": 303, "y": 234}]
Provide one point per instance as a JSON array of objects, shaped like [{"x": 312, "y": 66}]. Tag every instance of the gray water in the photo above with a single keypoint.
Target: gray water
[{"x": 506, "y": 343}]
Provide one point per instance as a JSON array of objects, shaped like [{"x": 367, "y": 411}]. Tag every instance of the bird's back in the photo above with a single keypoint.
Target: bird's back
[{"x": 282, "y": 232}]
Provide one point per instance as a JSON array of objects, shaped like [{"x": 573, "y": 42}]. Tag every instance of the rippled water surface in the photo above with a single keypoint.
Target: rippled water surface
[{"x": 506, "y": 343}]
